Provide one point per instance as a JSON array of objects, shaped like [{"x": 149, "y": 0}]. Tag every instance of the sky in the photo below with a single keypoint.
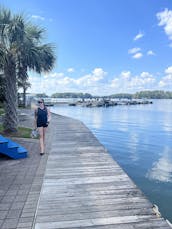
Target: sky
[{"x": 103, "y": 47}]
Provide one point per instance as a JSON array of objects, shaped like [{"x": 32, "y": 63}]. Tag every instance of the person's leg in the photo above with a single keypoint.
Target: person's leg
[
  {"x": 44, "y": 131},
  {"x": 41, "y": 138}
]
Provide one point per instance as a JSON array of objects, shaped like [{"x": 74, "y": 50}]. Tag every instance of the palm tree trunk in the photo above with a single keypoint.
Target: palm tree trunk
[
  {"x": 10, "y": 120},
  {"x": 24, "y": 96}
]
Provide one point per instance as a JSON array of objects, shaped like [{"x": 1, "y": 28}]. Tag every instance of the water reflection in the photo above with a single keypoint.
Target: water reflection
[
  {"x": 133, "y": 143},
  {"x": 162, "y": 169},
  {"x": 166, "y": 123},
  {"x": 123, "y": 118},
  {"x": 96, "y": 118}
]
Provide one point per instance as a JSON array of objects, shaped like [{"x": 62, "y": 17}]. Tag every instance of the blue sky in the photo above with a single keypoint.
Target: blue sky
[{"x": 103, "y": 46}]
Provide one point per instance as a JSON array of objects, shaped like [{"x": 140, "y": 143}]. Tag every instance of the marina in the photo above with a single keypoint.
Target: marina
[{"x": 95, "y": 102}]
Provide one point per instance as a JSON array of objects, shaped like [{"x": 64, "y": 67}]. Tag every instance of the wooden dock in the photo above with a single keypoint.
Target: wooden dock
[{"x": 84, "y": 187}]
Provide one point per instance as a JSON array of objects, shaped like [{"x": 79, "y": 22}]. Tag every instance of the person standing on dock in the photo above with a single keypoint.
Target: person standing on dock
[{"x": 41, "y": 121}]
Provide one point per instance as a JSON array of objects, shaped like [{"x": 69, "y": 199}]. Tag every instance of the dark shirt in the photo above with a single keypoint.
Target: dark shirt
[{"x": 41, "y": 115}]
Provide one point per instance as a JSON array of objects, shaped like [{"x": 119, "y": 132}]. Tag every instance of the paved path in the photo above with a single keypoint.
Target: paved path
[
  {"x": 84, "y": 187},
  {"x": 21, "y": 182}
]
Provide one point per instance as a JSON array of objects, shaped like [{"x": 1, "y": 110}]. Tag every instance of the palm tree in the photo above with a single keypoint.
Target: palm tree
[
  {"x": 20, "y": 50},
  {"x": 7, "y": 65}
]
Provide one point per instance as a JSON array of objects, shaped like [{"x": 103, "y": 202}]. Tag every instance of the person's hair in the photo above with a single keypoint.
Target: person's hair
[{"x": 42, "y": 100}]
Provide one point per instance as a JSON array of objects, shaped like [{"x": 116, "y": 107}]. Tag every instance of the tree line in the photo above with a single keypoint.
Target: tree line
[
  {"x": 153, "y": 94},
  {"x": 71, "y": 95},
  {"x": 157, "y": 94}
]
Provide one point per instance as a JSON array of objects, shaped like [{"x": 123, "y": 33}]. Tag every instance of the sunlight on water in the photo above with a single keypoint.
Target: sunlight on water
[{"x": 139, "y": 138}]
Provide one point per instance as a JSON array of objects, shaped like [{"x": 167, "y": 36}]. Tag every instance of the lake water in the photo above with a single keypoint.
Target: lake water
[{"x": 139, "y": 138}]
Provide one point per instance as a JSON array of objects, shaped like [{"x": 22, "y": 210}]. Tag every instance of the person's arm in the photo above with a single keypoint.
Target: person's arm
[
  {"x": 49, "y": 115},
  {"x": 35, "y": 118}
]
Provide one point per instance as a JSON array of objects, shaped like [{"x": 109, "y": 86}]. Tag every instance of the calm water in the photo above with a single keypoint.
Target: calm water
[{"x": 139, "y": 138}]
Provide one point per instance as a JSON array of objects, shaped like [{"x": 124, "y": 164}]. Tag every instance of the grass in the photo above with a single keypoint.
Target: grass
[
  {"x": 1, "y": 111},
  {"x": 23, "y": 132}
]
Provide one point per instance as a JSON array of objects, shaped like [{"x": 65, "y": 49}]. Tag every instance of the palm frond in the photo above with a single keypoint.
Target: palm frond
[
  {"x": 5, "y": 16},
  {"x": 16, "y": 30},
  {"x": 34, "y": 33},
  {"x": 5, "y": 19},
  {"x": 47, "y": 57}
]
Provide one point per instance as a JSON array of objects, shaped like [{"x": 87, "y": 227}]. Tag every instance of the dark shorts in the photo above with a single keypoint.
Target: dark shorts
[{"x": 39, "y": 124}]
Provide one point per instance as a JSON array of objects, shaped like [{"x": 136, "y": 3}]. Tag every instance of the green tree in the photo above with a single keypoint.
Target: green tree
[
  {"x": 20, "y": 50},
  {"x": 157, "y": 94},
  {"x": 122, "y": 96},
  {"x": 71, "y": 95}
]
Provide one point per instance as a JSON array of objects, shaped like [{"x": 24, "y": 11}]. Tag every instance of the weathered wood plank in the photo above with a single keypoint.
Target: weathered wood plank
[
  {"x": 58, "y": 216},
  {"x": 91, "y": 222},
  {"x": 94, "y": 208}
]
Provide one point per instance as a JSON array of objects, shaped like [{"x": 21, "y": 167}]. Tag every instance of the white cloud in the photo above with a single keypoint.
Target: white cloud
[
  {"x": 150, "y": 53},
  {"x": 37, "y": 17},
  {"x": 99, "y": 73},
  {"x": 141, "y": 83},
  {"x": 138, "y": 36},
  {"x": 89, "y": 80},
  {"x": 162, "y": 84},
  {"x": 166, "y": 81},
  {"x": 115, "y": 83},
  {"x": 99, "y": 82},
  {"x": 70, "y": 70},
  {"x": 127, "y": 82},
  {"x": 145, "y": 75},
  {"x": 134, "y": 50},
  {"x": 125, "y": 74},
  {"x": 137, "y": 55},
  {"x": 59, "y": 82},
  {"x": 168, "y": 70},
  {"x": 165, "y": 20}
]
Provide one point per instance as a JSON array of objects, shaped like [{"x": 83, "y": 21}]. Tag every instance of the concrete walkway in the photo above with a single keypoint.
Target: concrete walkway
[{"x": 76, "y": 184}]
